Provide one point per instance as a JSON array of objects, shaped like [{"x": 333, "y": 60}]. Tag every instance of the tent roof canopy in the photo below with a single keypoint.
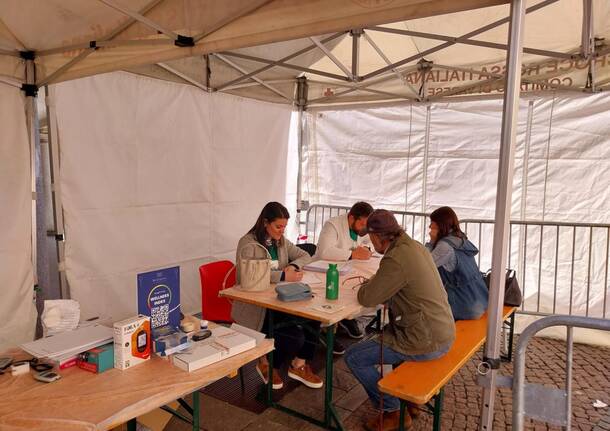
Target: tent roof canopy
[{"x": 350, "y": 50}]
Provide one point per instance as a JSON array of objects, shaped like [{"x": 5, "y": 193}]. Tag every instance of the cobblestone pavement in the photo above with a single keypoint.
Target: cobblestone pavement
[{"x": 545, "y": 365}]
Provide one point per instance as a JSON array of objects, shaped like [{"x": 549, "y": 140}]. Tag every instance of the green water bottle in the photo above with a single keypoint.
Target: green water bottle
[{"x": 332, "y": 281}]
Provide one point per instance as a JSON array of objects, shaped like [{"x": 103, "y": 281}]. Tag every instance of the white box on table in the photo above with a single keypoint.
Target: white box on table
[{"x": 224, "y": 343}]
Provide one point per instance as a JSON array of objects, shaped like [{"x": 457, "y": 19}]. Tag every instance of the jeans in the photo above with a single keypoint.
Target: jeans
[{"x": 363, "y": 358}]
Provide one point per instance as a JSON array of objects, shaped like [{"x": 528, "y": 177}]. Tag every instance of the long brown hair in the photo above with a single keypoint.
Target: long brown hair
[
  {"x": 447, "y": 222},
  {"x": 272, "y": 211}
]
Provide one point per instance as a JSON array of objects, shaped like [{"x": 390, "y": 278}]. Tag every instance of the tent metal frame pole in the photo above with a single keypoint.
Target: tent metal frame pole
[
  {"x": 256, "y": 84},
  {"x": 140, "y": 18},
  {"x": 353, "y": 88},
  {"x": 118, "y": 30},
  {"x": 104, "y": 44},
  {"x": 271, "y": 65},
  {"x": 53, "y": 77},
  {"x": 381, "y": 54},
  {"x": 587, "y": 28},
  {"x": 587, "y": 48},
  {"x": 365, "y": 86},
  {"x": 355, "y": 34},
  {"x": 332, "y": 57},
  {"x": 182, "y": 76},
  {"x": 10, "y": 53},
  {"x": 34, "y": 143},
  {"x": 448, "y": 44},
  {"x": 11, "y": 81},
  {"x": 510, "y": 113},
  {"x": 58, "y": 215},
  {"x": 217, "y": 26},
  {"x": 260, "y": 81},
  {"x": 207, "y": 72},
  {"x": 301, "y": 101},
  {"x": 424, "y": 194},
  {"x": 467, "y": 41},
  {"x": 285, "y": 65}
]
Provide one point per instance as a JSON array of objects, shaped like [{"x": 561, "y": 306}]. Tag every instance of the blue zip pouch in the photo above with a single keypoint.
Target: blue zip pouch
[{"x": 289, "y": 292}]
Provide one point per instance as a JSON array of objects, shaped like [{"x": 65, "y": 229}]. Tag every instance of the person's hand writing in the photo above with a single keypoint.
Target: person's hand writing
[
  {"x": 291, "y": 274},
  {"x": 361, "y": 253}
]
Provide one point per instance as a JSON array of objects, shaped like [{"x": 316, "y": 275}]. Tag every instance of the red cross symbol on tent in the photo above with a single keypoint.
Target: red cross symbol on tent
[{"x": 329, "y": 92}]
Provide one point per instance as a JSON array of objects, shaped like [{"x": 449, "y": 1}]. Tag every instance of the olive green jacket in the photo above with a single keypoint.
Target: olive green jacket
[
  {"x": 253, "y": 316},
  {"x": 420, "y": 317}
]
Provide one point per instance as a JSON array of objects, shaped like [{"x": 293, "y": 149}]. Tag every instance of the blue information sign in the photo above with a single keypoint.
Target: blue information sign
[{"x": 159, "y": 297}]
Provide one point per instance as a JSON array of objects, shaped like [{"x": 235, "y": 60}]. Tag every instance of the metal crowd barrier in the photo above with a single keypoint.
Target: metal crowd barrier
[
  {"x": 562, "y": 268},
  {"x": 543, "y": 403}
]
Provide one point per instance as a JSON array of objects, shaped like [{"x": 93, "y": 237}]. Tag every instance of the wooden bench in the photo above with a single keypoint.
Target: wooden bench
[{"x": 419, "y": 382}]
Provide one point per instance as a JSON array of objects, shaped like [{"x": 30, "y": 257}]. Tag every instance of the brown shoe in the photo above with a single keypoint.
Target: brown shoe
[
  {"x": 413, "y": 409},
  {"x": 306, "y": 376},
  {"x": 263, "y": 371},
  {"x": 390, "y": 422}
]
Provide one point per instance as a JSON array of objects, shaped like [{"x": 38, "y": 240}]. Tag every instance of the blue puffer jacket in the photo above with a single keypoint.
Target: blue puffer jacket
[{"x": 466, "y": 290}]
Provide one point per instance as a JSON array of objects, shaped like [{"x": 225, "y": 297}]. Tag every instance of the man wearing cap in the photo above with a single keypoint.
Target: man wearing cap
[
  {"x": 421, "y": 325},
  {"x": 344, "y": 238}
]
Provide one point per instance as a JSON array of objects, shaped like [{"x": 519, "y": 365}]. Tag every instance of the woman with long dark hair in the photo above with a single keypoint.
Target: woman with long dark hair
[
  {"x": 454, "y": 255},
  {"x": 295, "y": 341}
]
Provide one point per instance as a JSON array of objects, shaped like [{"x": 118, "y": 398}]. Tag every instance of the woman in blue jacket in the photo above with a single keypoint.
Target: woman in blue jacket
[{"x": 454, "y": 256}]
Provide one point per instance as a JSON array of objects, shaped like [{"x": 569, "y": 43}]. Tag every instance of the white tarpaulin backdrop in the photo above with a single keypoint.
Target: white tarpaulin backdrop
[
  {"x": 156, "y": 174},
  {"x": 420, "y": 157},
  {"x": 17, "y": 307}
]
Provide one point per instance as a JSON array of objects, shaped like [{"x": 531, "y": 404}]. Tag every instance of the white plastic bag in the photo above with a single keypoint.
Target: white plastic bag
[{"x": 59, "y": 315}]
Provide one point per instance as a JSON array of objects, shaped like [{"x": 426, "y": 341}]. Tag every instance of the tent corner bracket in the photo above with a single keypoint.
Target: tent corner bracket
[
  {"x": 184, "y": 41},
  {"x": 27, "y": 55},
  {"x": 30, "y": 90}
]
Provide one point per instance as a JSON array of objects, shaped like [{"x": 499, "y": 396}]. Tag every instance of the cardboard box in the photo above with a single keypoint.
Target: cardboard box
[
  {"x": 98, "y": 359},
  {"x": 233, "y": 341},
  {"x": 197, "y": 357},
  {"x": 223, "y": 343},
  {"x": 132, "y": 341}
]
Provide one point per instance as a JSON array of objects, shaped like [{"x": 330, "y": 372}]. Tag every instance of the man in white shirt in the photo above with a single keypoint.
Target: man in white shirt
[{"x": 343, "y": 238}]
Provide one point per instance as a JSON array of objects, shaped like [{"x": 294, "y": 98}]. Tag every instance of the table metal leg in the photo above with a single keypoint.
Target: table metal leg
[
  {"x": 328, "y": 396},
  {"x": 438, "y": 409},
  {"x": 511, "y": 335},
  {"x": 196, "y": 410},
  {"x": 510, "y": 323},
  {"x": 330, "y": 414},
  {"x": 401, "y": 416},
  {"x": 270, "y": 360}
]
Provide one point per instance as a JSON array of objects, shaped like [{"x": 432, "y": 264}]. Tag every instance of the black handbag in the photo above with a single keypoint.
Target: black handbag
[{"x": 512, "y": 292}]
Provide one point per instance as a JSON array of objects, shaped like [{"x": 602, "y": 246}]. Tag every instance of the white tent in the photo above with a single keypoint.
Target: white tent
[
  {"x": 565, "y": 45},
  {"x": 413, "y": 50}
]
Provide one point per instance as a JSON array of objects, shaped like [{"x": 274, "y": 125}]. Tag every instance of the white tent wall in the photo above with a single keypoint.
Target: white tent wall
[
  {"x": 422, "y": 156},
  {"x": 156, "y": 174},
  {"x": 16, "y": 273}
]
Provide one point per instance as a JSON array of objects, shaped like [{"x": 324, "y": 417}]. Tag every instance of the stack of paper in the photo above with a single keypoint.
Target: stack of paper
[
  {"x": 322, "y": 266},
  {"x": 70, "y": 343}
]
